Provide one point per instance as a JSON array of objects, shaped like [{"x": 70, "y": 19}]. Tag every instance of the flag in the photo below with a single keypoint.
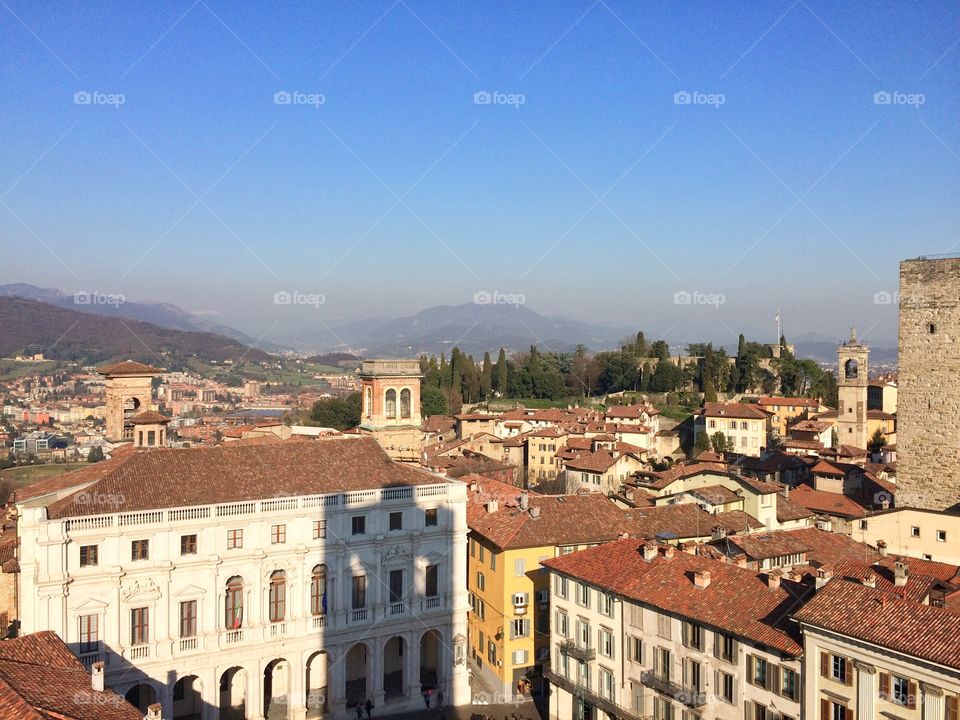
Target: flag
[
  {"x": 237, "y": 617},
  {"x": 777, "y": 318},
  {"x": 323, "y": 603}
]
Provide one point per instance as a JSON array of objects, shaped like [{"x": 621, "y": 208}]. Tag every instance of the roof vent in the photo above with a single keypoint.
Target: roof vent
[
  {"x": 649, "y": 551},
  {"x": 96, "y": 676},
  {"x": 534, "y": 512},
  {"x": 524, "y": 500},
  {"x": 900, "y": 572},
  {"x": 870, "y": 579},
  {"x": 773, "y": 579},
  {"x": 492, "y": 506},
  {"x": 154, "y": 712},
  {"x": 701, "y": 578}
]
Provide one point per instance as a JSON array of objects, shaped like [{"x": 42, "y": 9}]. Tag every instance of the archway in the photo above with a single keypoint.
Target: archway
[
  {"x": 393, "y": 653},
  {"x": 851, "y": 369},
  {"x": 356, "y": 685},
  {"x": 430, "y": 660},
  {"x": 141, "y": 697},
  {"x": 316, "y": 684},
  {"x": 187, "y": 703},
  {"x": 233, "y": 694},
  {"x": 276, "y": 686}
]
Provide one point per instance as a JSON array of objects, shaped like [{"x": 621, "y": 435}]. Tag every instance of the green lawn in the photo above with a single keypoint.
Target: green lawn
[
  {"x": 11, "y": 369},
  {"x": 27, "y": 474}
]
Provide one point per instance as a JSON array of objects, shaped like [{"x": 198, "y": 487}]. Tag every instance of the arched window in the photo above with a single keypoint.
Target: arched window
[
  {"x": 278, "y": 596},
  {"x": 391, "y": 403},
  {"x": 233, "y": 608},
  {"x": 405, "y": 403},
  {"x": 850, "y": 369},
  {"x": 369, "y": 408},
  {"x": 318, "y": 590}
]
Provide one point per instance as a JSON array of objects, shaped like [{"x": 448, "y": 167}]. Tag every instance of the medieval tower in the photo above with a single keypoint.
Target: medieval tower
[
  {"x": 928, "y": 410},
  {"x": 390, "y": 410},
  {"x": 852, "y": 359},
  {"x": 129, "y": 389}
]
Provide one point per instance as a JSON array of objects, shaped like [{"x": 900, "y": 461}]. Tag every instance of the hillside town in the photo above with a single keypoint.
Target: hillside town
[{"x": 764, "y": 557}]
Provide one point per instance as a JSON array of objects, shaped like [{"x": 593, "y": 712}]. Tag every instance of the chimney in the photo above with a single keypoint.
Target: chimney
[
  {"x": 701, "y": 578},
  {"x": 900, "y": 572},
  {"x": 773, "y": 579},
  {"x": 534, "y": 512},
  {"x": 524, "y": 500},
  {"x": 668, "y": 551},
  {"x": 474, "y": 486},
  {"x": 96, "y": 676},
  {"x": 824, "y": 574},
  {"x": 882, "y": 547},
  {"x": 154, "y": 712},
  {"x": 492, "y": 506},
  {"x": 718, "y": 533},
  {"x": 870, "y": 579},
  {"x": 649, "y": 551},
  {"x": 741, "y": 560}
]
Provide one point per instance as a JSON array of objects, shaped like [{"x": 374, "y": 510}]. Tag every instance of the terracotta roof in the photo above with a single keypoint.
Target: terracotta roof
[
  {"x": 634, "y": 411},
  {"x": 734, "y": 410},
  {"x": 716, "y": 494},
  {"x": 83, "y": 476},
  {"x": 879, "y": 617},
  {"x": 437, "y": 423},
  {"x": 129, "y": 367},
  {"x": 811, "y": 426},
  {"x": 40, "y": 679},
  {"x": 737, "y": 600},
  {"x": 787, "y": 510},
  {"x": 761, "y": 546},
  {"x": 150, "y": 417},
  {"x": 821, "y": 501},
  {"x": 788, "y": 401},
  {"x": 830, "y": 548},
  {"x": 824, "y": 467},
  {"x": 164, "y": 477},
  {"x": 684, "y": 521}
]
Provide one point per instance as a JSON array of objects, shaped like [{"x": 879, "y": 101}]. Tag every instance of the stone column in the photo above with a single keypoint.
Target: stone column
[
  {"x": 336, "y": 679},
  {"x": 932, "y": 699},
  {"x": 254, "y": 698},
  {"x": 296, "y": 693},
  {"x": 375, "y": 665},
  {"x": 209, "y": 695},
  {"x": 866, "y": 690}
]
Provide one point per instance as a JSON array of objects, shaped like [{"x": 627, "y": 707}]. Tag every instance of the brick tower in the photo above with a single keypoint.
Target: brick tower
[
  {"x": 129, "y": 389},
  {"x": 852, "y": 359},
  {"x": 390, "y": 409}
]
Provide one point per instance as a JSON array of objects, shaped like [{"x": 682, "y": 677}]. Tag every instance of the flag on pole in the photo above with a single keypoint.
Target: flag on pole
[{"x": 777, "y": 318}]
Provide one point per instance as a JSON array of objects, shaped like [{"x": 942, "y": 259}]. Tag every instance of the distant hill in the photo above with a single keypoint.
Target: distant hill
[
  {"x": 63, "y": 334},
  {"x": 163, "y": 314},
  {"x": 334, "y": 359}
]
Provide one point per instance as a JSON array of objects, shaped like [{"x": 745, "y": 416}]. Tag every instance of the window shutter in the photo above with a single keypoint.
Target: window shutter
[
  {"x": 716, "y": 683},
  {"x": 884, "y": 686},
  {"x": 912, "y": 695},
  {"x": 825, "y": 664},
  {"x": 953, "y": 708},
  {"x": 716, "y": 644},
  {"x": 773, "y": 677},
  {"x": 848, "y": 713},
  {"x": 824, "y": 709},
  {"x": 747, "y": 710},
  {"x": 750, "y": 675},
  {"x": 848, "y": 672}
]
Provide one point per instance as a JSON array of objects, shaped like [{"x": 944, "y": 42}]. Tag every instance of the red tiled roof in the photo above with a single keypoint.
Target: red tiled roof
[
  {"x": 128, "y": 367},
  {"x": 879, "y": 617},
  {"x": 734, "y": 410},
  {"x": 821, "y": 501},
  {"x": 737, "y": 600},
  {"x": 761, "y": 546},
  {"x": 684, "y": 521},
  {"x": 788, "y": 401},
  {"x": 150, "y": 417},
  {"x": 787, "y": 510}
]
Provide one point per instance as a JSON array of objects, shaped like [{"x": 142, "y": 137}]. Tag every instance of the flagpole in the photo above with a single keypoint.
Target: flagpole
[{"x": 779, "y": 334}]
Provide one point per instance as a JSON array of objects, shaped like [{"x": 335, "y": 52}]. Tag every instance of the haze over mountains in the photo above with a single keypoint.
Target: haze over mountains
[{"x": 472, "y": 327}]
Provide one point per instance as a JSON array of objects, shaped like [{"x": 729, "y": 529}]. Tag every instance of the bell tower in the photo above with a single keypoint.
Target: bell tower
[
  {"x": 129, "y": 390},
  {"x": 390, "y": 408},
  {"x": 852, "y": 392}
]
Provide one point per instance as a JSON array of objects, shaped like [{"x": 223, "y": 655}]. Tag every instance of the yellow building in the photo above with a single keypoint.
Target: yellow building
[
  {"x": 787, "y": 410},
  {"x": 511, "y": 533}
]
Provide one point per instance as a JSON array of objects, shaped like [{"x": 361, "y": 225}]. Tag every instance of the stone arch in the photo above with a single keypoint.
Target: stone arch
[
  {"x": 406, "y": 403},
  {"x": 316, "y": 680},
  {"x": 394, "y": 658},
  {"x": 390, "y": 403},
  {"x": 187, "y": 700},
  {"x": 851, "y": 369},
  {"x": 431, "y": 643},
  {"x": 276, "y": 689},
  {"x": 141, "y": 695},
  {"x": 356, "y": 666},
  {"x": 233, "y": 694}
]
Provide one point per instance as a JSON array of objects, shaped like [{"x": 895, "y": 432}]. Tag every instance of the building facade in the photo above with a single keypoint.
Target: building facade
[
  {"x": 297, "y": 597},
  {"x": 852, "y": 357},
  {"x": 390, "y": 410}
]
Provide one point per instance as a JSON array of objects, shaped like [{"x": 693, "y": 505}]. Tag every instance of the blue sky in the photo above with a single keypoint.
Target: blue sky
[{"x": 585, "y": 186}]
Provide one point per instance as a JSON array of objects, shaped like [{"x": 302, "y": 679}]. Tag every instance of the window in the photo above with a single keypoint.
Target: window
[
  {"x": 788, "y": 684},
  {"x": 606, "y": 604},
  {"x": 431, "y": 580},
  {"x": 139, "y": 626},
  {"x": 901, "y": 690},
  {"x": 519, "y": 568},
  {"x": 473, "y": 547},
  {"x": 188, "y": 619},
  {"x": 760, "y": 670},
  {"x": 635, "y": 650},
  {"x": 481, "y": 582},
  {"x": 234, "y": 539},
  {"x": 726, "y": 687},
  {"x": 278, "y": 534},
  {"x": 318, "y": 590},
  {"x": 636, "y": 616},
  {"x": 491, "y": 653},
  {"x": 140, "y": 550},
  {"x": 693, "y": 675},
  {"x": 88, "y": 555},
  {"x": 493, "y": 560},
  {"x": 606, "y": 683},
  {"x": 278, "y": 596},
  {"x": 724, "y": 647},
  {"x": 396, "y": 586},
  {"x": 863, "y": 524},
  {"x": 188, "y": 544},
  {"x": 89, "y": 633},
  {"x": 396, "y": 521},
  {"x": 583, "y": 595},
  {"x": 390, "y": 404},
  {"x": 319, "y": 529},
  {"x": 941, "y": 535},
  {"x": 233, "y": 605},
  {"x": 606, "y": 643},
  {"x": 482, "y": 552},
  {"x": 358, "y": 525},
  {"x": 663, "y": 626},
  {"x": 519, "y": 628},
  {"x": 693, "y": 636},
  {"x": 661, "y": 663},
  {"x": 834, "y": 711},
  {"x": 914, "y": 531},
  {"x": 561, "y": 587},
  {"x": 838, "y": 668},
  {"x": 563, "y": 624},
  {"x": 520, "y": 657},
  {"x": 583, "y": 633},
  {"x": 430, "y": 517},
  {"x": 405, "y": 403},
  {"x": 662, "y": 709},
  {"x": 358, "y": 596}
]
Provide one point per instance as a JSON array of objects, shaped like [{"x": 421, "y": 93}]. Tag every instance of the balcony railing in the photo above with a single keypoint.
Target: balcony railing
[
  {"x": 433, "y": 603},
  {"x": 577, "y": 651},
  {"x": 359, "y": 615},
  {"x": 88, "y": 659},
  {"x": 318, "y": 621},
  {"x": 689, "y": 696},
  {"x": 278, "y": 629},
  {"x": 138, "y": 652},
  {"x": 583, "y": 692},
  {"x": 395, "y": 609},
  {"x": 189, "y": 643},
  {"x": 232, "y": 636}
]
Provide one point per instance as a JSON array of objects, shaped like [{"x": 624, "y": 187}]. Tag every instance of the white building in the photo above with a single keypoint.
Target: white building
[{"x": 265, "y": 579}]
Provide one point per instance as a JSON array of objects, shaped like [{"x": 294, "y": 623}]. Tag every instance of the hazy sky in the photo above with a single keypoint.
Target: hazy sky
[{"x": 586, "y": 183}]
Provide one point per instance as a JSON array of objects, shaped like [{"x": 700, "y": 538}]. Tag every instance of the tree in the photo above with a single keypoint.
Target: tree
[
  {"x": 339, "y": 413},
  {"x": 432, "y": 401},
  {"x": 877, "y": 442},
  {"x": 702, "y": 444},
  {"x": 719, "y": 441},
  {"x": 501, "y": 374},
  {"x": 709, "y": 391},
  {"x": 486, "y": 376},
  {"x": 660, "y": 350},
  {"x": 95, "y": 454}
]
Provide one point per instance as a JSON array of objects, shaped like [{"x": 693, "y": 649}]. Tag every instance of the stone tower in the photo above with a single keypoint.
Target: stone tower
[
  {"x": 129, "y": 387},
  {"x": 928, "y": 402},
  {"x": 390, "y": 410},
  {"x": 852, "y": 392}
]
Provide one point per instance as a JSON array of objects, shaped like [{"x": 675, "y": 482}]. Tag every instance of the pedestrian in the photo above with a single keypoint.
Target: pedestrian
[
  {"x": 359, "y": 709},
  {"x": 426, "y": 698},
  {"x": 369, "y": 707},
  {"x": 439, "y": 698}
]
